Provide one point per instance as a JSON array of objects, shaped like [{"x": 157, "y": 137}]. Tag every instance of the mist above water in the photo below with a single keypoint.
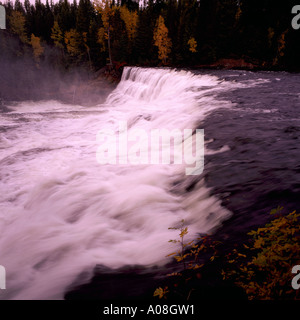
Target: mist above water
[
  {"x": 62, "y": 212},
  {"x": 22, "y": 78}
]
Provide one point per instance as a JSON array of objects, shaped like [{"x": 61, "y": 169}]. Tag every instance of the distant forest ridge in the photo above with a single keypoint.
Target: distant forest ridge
[{"x": 179, "y": 33}]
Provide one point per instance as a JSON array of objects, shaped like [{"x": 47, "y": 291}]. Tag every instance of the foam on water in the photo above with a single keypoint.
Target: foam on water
[{"x": 61, "y": 212}]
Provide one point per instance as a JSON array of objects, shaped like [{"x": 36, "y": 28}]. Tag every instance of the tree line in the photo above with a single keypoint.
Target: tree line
[{"x": 150, "y": 33}]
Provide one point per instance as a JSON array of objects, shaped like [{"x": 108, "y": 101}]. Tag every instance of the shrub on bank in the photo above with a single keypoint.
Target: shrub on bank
[{"x": 261, "y": 267}]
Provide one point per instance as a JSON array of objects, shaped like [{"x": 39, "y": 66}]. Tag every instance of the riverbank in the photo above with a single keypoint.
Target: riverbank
[
  {"x": 84, "y": 87},
  {"x": 246, "y": 63},
  {"x": 251, "y": 127},
  {"x": 233, "y": 64},
  {"x": 79, "y": 87},
  {"x": 114, "y": 74},
  {"x": 264, "y": 184}
]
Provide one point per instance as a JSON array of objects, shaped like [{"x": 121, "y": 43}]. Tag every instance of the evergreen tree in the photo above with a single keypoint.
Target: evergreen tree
[
  {"x": 193, "y": 32},
  {"x": 143, "y": 45},
  {"x": 17, "y": 25}
]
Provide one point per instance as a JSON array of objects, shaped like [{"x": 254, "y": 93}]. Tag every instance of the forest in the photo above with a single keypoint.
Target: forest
[
  {"x": 176, "y": 33},
  {"x": 61, "y": 50},
  {"x": 50, "y": 50}
]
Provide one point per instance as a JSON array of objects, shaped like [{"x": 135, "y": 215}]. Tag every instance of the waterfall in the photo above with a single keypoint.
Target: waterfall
[{"x": 62, "y": 212}]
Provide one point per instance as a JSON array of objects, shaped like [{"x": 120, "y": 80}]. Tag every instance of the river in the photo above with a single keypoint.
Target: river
[{"x": 62, "y": 212}]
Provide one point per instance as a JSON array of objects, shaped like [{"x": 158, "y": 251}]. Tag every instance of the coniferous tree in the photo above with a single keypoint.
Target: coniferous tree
[
  {"x": 17, "y": 25},
  {"x": 106, "y": 9},
  {"x": 198, "y": 31}
]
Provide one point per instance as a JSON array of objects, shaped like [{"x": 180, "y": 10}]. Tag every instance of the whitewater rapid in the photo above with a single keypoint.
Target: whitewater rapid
[{"x": 61, "y": 212}]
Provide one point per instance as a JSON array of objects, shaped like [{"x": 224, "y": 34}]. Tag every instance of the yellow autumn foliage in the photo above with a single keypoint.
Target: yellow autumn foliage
[
  {"x": 161, "y": 40},
  {"x": 57, "y": 35},
  {"x": 266, "y": 272},
  {"x": 38, "y": 50},
  {"x": 192, "y": 45},
  {"x": 107, "y": 11},
  {"x": 130, "y": 19},
  {"x": 17, "y": 25},
  {"x": 72, "y": 41}
]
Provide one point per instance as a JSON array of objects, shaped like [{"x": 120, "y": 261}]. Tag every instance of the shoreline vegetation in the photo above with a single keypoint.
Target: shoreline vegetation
[
  {"x": 258, "y": 268},
  {"x": 86, "y": 88},
  {"x": 51, "y": 48},
  {"x": 75, "y": 52}
]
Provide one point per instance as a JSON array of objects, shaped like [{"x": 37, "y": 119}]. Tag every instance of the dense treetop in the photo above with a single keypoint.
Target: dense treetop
[{"x": 161, "y": 32}]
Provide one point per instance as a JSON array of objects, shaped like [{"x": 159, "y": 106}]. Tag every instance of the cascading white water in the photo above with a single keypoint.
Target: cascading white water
[{"x": 61, "y": 212}]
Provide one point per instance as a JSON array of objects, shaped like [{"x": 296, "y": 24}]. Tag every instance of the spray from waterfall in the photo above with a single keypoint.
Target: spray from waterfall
[{"x": 62, "y": 212}]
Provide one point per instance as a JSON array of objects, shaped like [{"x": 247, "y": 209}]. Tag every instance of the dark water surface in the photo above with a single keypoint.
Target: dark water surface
[
  {"x": 259, "y": 172},
  {"x": 262, "y": 130},
  {"x": 62, "y": 213}
]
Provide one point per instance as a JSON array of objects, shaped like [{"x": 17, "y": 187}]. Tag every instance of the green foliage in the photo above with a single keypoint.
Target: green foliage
[
  {"x": 189, "y": 256},
  {"x": 161, "y": 293},
  {"x": 186, "y": 33},
  {"x": 262, "y": 268},
  {"x": 188, "y": 253}
]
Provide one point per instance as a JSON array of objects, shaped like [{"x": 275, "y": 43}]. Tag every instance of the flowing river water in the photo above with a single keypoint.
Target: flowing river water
[{"x": 62, "y": 212}]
